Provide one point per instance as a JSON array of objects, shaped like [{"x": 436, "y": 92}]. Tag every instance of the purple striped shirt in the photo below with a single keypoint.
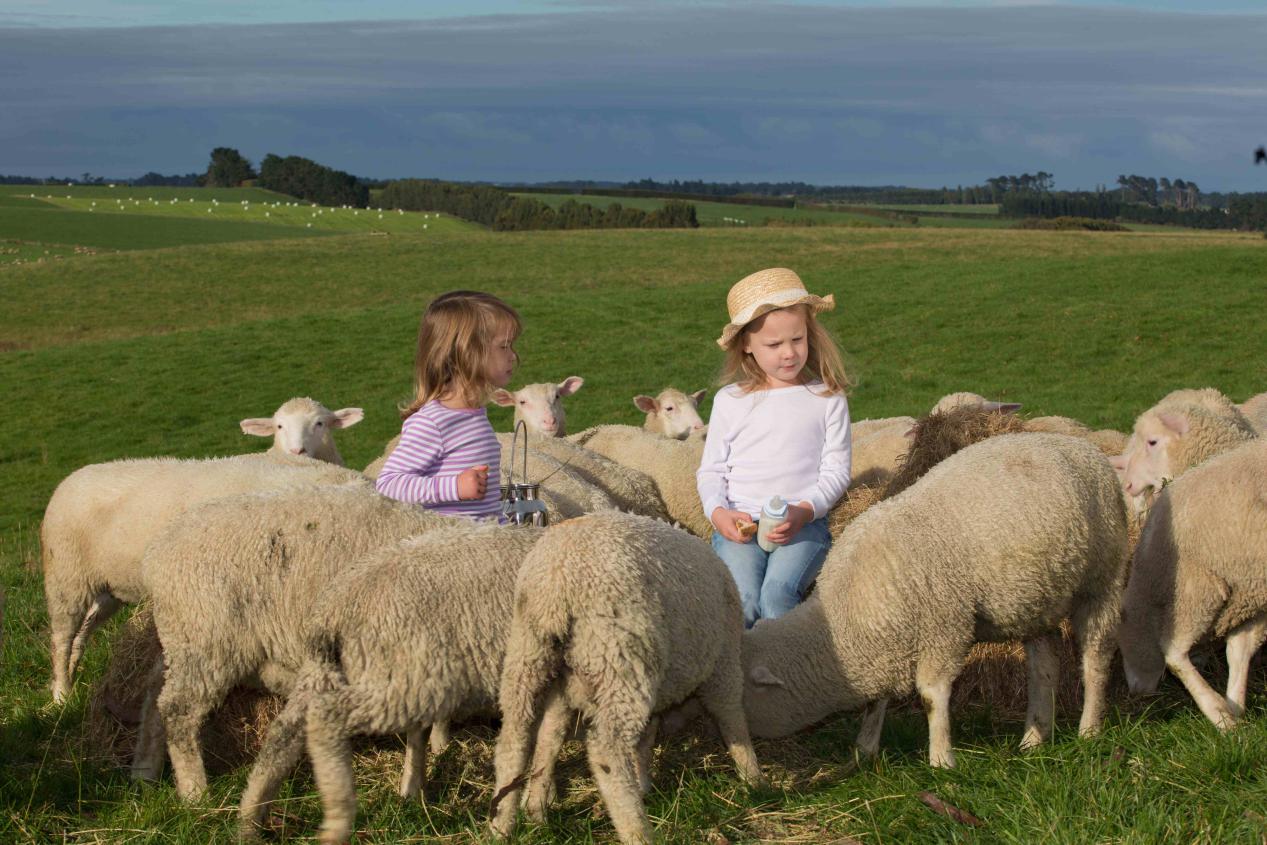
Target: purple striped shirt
[{"x": 436, "y": 444}]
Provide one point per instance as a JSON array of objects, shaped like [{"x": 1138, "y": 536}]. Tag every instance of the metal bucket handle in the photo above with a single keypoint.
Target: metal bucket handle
[{"x": 514, "y": 439}]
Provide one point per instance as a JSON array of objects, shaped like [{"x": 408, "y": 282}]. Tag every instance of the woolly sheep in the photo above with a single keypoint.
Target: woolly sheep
[
  {"x": 540, "y": 406},
  {"x": 619, "y": 617},
  {"x": 101, "y": 517},
  {"x": 303, "y": 426},
  {"x": 1184, "y": 429},
  {"x": 957, "y": 400},
  {"x": 232, "y": 584},
  {"x": 672, "y": 413},
  {"x": 1255, "y": 410},
  {"x": 671, "y": 465},
  {"x": 859, "y": 429},
  {"x": 1199, "y": 569},
  {"x": 1001, "y": 541},
  {"x": 411, "y": 634}
]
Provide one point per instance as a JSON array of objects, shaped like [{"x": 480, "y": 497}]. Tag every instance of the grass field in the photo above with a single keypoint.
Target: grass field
[{"x": 161, "y": 352}]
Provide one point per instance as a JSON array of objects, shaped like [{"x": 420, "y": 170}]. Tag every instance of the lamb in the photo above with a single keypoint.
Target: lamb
[
  {"x": 1001, "y": 541},
  {"x": 671, "y": 465},
  {"x": 672, "y": 413},
  {"x": 957, "y": 400},
  {"x": 1200, "y": 568},
  {"x": 303, "y": 426},
  {"x": 619, "y": 617},
  {"x": 566, "y": 491},
  {"x": 1255, "y": 410},
  {"x": 1185, "y": 428},
  {"x": 411, "y": 634},
  {"x": 232, "y": 584},
  {"x": 101, "y": 517},
  {"x": 540, "y": 406}
]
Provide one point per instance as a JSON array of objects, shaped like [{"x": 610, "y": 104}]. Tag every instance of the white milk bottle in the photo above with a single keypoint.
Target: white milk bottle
[{"x": 773, "y": 513}]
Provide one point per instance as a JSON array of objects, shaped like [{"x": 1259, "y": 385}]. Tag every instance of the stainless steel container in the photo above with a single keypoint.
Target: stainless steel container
[{"x": 521, "y": 502}]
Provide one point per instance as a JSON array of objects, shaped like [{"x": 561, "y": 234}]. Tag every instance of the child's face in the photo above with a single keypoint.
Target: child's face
[
  {"x": 779, "y": 343},
  {"x": 501, "y": 360}
]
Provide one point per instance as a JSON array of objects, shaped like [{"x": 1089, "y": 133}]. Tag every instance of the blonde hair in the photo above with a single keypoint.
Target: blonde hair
[
  {"x": 823, "y": 361},
  {"x": 455, "y": 338}
]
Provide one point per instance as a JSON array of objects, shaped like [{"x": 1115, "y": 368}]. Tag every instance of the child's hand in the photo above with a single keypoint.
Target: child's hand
[
  {"x": 798, "y": 516},
  {"x": 473, "y": 482},
  {"x": 728, "y": 523}
]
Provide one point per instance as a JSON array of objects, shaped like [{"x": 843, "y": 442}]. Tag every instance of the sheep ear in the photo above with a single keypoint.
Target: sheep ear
[
  {"x": 1002, "y": 407},
  {"x": 570, "y": 385},
  {"x": 259, "y": 426},
  {"x": 910, "y": 433},
  {"x": 503, "y": 397},
  {"x": 346, "y": 417},
  {"x": 1118, "y": 462},
  {"x": 698, "y": 397},
  {"x": 646, "y": 404},
  {"x": 1178, "y": 423},
  {"x": 763, "y": 677}
]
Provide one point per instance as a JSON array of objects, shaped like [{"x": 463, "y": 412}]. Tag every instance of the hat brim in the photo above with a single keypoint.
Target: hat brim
[{"x": 817, "y": 304}]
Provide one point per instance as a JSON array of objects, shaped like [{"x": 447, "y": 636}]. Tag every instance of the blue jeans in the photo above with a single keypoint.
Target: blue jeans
[{"x": 772, "y": 584}]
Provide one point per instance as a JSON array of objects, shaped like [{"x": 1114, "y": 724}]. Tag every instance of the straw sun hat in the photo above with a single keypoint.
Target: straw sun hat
[{"x": 766, "y": 291}]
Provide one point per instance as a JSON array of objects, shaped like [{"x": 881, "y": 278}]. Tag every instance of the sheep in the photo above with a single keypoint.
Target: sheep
[
  {"x": 858, "y": 429},
  {"x": 540, "y": 406},
  {"x": 232, "y": 583},
  {"x": 671, "y": 465},
  {"x": 303, "y": 426},
  {"x": 955, "y": 400},
  {"x": 1200, "y": 568},
  {"x": 411, "y": 634},
  {"x": 1001, "y": 541},
  {"x": 672, "y": 413},
  {"x": 101, "y": 517},
  {"x": 619, "y": 617},
  {"x": 1185, "y": 428},
  {"x": 374, "y": 467},
  {"x": 565, "y": 491},
  {"x": 1255, "y": 410}
]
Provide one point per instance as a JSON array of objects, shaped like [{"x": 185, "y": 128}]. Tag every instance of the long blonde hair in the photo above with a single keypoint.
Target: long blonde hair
[
  {"x": 823, "y": 361},
  {"x": 455, "y": 338}
]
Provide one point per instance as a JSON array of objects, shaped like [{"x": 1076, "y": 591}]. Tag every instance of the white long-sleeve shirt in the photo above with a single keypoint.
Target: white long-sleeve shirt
[{"x": 790, "y": 442}]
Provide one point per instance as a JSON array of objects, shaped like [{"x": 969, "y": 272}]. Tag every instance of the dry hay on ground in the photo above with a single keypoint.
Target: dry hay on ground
[
  {"x": 230, "y": 738},
  {"x": 854, "y": 502}
]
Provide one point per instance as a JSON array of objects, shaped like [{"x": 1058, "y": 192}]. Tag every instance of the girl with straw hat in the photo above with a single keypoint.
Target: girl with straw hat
[{"x": 779, "y": 430}]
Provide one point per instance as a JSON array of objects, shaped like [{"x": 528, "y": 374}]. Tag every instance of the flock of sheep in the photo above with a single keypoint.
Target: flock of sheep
[{"x": 370, "y": 616}]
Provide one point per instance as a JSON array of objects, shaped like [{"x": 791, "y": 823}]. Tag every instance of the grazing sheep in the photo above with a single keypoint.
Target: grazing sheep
[
  {"x": 1200, "y": 568},
  {"x": 411, "y": 634},
  {"x": 1255, "y": 410},
  {"x": 303, "y": 426},
  {"x": 672, "y": 413},
  {"x": 101, "y": 517},
  {"x": 860, "y": 429},
  {"x": 1001, "y": 541},
  {"x": 957, "y": 400},
  {"x": 540, "y": 406},
  {"x": 1181, "y": 431},
  {"x": 671, "y": 465},
  {"x": 619, "y": 617},
  {"x": 232, "y": 585}
]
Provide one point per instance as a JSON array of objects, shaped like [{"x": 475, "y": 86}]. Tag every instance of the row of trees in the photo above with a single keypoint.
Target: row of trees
[
  {"x": 304, "y": 178},
  {"x": 501, "y": 211},
  {"x": 1243, "y": 211},
  {"x": 1158, "y": 192}
]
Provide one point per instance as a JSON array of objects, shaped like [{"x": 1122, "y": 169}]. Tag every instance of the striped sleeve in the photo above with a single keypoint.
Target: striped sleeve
[{"x": 409, "y": 473}]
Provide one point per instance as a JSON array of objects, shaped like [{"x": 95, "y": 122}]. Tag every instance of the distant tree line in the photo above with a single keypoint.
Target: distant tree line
[
  {"x": 501, "y": 211},
  {"x": 1243, "y": 211},
  {"x": 737, "y": 199},
  {"x": 303, "y": 178}
]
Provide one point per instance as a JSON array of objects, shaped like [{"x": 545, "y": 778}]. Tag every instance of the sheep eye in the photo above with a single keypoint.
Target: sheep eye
[
  {"x": 668, "y": 407},
  {"x": 279, "y": 426},
  {"x": 523, "y": 401},
  {"x": 320, "y": 423},
  {"x": 1152, "y": 442}
]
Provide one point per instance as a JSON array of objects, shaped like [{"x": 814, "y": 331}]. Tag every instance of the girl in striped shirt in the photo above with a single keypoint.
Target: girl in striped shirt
[{"x": 448, "y": 458}]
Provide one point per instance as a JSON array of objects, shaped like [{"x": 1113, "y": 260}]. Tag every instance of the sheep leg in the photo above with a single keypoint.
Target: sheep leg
[
  {"x": 611, "y": 754},
  {"x": 868, "y": 741},
  {"x": 103, "y": 607},
  {"x": 1095, "y": 623},
  {"x": 147, "y": 757},
  {"x": 551, "y": 733},
  {"x": 414, "y": 772},
  {"x": 1242, "y": 643},
  {"x": 283, "y": 745},
  {"x": 1044, "y": 673},
  {"x": 646, "y": 746},
  {"x": 1200, "y": 599},
  {"x": 439, "y": 737},
  {"x": 65, "y": 617},
  {"x": 934, "y": 691},
  {"x": 514, "y": 746},
  {"x": 185, "y": 703},
  {"x": 722, "y": 697},
  {"x": 331, "y": 752}
]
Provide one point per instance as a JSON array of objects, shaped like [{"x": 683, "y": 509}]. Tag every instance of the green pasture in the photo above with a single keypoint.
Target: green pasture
[
  {"x": 161, "y": 352},
  {"x": 982, "y": 209}
]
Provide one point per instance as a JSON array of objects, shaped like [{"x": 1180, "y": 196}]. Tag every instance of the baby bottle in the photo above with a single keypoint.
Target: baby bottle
[{"x": 773, "y": 513}]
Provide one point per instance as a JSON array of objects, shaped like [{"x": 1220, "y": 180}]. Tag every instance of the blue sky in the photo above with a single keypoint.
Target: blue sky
[{"x": 828, "y": 92}]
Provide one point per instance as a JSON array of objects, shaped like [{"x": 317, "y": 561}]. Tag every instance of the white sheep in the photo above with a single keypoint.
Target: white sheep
[
  {"x": 232, "y": 583},
  {"x": 963, "y": 398},
  {"x": 540, "y": 406},
  {"x": 672, "y": 413},
  {"x": 1181, "y": 431},
  {"x": 1255, "y": 410},
  {"x": 1000, "y": 541},
  {"x": 1201, "y": 567},
  {"x": 618, "y": 617},
  {"x": 303, "y": 426},
  {"x": 671, "y": 465},
  {"x": 411, "y": 634},
  {"x": 101, "y": 517}
]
